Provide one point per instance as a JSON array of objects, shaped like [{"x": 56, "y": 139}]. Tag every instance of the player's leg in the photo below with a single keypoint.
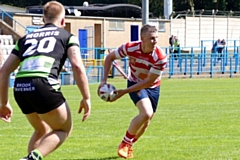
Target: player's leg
[
  {"x": 126, "y": 145},
  {"x": 146, "y": 101},
  {"x": 144, "y": 105},
  {"x": 60, "y": 122},
  {"x": 154, "y": 95},
  {"x": 145, "y": 113},
  {"x": 137, "y": 123},
  {"x": 136, "y": 137},
  {"x": 40, "y": 130},
  {"x": 51, "y": 107},
  {"x": 142, "y": 130}
]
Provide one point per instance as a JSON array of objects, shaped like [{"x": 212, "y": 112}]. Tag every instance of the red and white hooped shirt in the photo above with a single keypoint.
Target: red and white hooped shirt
[{"x": 141, "y": 63}]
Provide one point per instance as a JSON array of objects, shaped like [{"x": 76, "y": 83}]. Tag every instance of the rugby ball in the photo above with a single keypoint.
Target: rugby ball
[{"x": 107, "y": 92}]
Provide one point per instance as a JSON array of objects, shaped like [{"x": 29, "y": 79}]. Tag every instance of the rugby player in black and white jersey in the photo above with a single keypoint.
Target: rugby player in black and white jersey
[{"x": 40, "y": 56}]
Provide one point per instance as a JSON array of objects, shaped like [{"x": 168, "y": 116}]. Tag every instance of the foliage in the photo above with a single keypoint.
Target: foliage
[{"x": 155, "y": 6}]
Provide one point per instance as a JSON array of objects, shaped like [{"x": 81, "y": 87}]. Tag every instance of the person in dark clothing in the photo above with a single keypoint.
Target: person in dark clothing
[{"x": 171, "y": 43}]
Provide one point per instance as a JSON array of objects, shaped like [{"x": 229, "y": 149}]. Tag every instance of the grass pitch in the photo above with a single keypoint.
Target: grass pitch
[{"x": 197, "y": 119}]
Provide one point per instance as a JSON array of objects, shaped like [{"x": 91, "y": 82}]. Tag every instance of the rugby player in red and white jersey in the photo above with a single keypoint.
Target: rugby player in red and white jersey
[{"x": 146, "y": 62}]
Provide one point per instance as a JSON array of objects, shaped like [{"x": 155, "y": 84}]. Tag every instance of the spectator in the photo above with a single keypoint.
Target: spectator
[
  {"x": 215, "y": 46},
  {"x": 218, "y": 47},
  {"x": 171, "y": 43},
  {"x": 221, "y": 46},
  {"x": 176, "y": 46}
]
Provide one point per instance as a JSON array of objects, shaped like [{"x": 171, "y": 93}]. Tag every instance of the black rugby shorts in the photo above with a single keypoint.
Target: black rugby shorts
[{"x": 37, "y": 95}]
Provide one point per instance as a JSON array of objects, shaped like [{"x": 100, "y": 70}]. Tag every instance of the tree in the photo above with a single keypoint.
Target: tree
[
  {"x": 191, "y": 3},
  {"x": 155, "y": 6},
  {"x": 233, "y": 5}
]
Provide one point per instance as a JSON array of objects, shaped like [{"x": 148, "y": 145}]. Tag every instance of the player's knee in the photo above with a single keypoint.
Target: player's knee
[
  {"x": 41, "y": 133},
  {"x": 42, "y": 129},
  {"x": 67, "y": 129},
  {"x": 146, "y": 116}
]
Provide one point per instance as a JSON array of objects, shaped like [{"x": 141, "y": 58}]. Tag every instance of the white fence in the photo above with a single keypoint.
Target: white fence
[
  {"x": 192, "y": 30},
  {"x": 7, "y": 44}
]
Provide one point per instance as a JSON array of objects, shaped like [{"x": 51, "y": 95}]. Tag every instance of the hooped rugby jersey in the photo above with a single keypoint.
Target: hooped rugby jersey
[
  {"x": 141, "y": 63},
  {"x": 42, "y": 53}
]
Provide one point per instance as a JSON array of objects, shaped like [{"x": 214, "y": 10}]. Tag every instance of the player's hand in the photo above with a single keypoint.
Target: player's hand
[
  {"x": 100, "y": 85},
  {"x": 6, "y": 113},
  {"x": 119, "y": 94},
  {"x": 86, "y": 106}
]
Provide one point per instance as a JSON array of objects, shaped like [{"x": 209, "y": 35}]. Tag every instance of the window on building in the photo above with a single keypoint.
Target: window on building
[
  {"x": 161, "y": 27},
  {"x": 116, "y": 26}
]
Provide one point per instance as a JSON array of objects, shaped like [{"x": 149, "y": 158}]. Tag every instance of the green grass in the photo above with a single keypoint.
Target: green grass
[{"x": 197, "y": 119}]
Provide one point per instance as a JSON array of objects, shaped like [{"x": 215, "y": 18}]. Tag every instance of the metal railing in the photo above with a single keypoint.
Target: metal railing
[
  {"x": 190, "y": 64},
  {"x": 198, "y": 61},
  {"x": 15, "y": 23}
]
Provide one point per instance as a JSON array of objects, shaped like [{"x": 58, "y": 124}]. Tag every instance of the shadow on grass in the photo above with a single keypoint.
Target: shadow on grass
[{"x": 106, "y": 158}]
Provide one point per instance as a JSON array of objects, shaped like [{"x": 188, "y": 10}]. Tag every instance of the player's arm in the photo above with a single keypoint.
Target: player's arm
[
  {"x": 79, "y": 71},
  {"x": 151, "y": 78},
  {"x": 138, "y": 86},
  {"x": 8, "y": 67},
  {"x": 80, "y": 76},
  {"x": 154, "y": 73},
  {"x": 108, "y": 64},
  {"x": 119, "y": 53}
]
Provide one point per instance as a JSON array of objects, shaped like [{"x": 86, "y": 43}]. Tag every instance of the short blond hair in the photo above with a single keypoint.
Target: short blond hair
[
  {"x": 147, "y": 28},
  {"x": 53, "y": 11}
]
